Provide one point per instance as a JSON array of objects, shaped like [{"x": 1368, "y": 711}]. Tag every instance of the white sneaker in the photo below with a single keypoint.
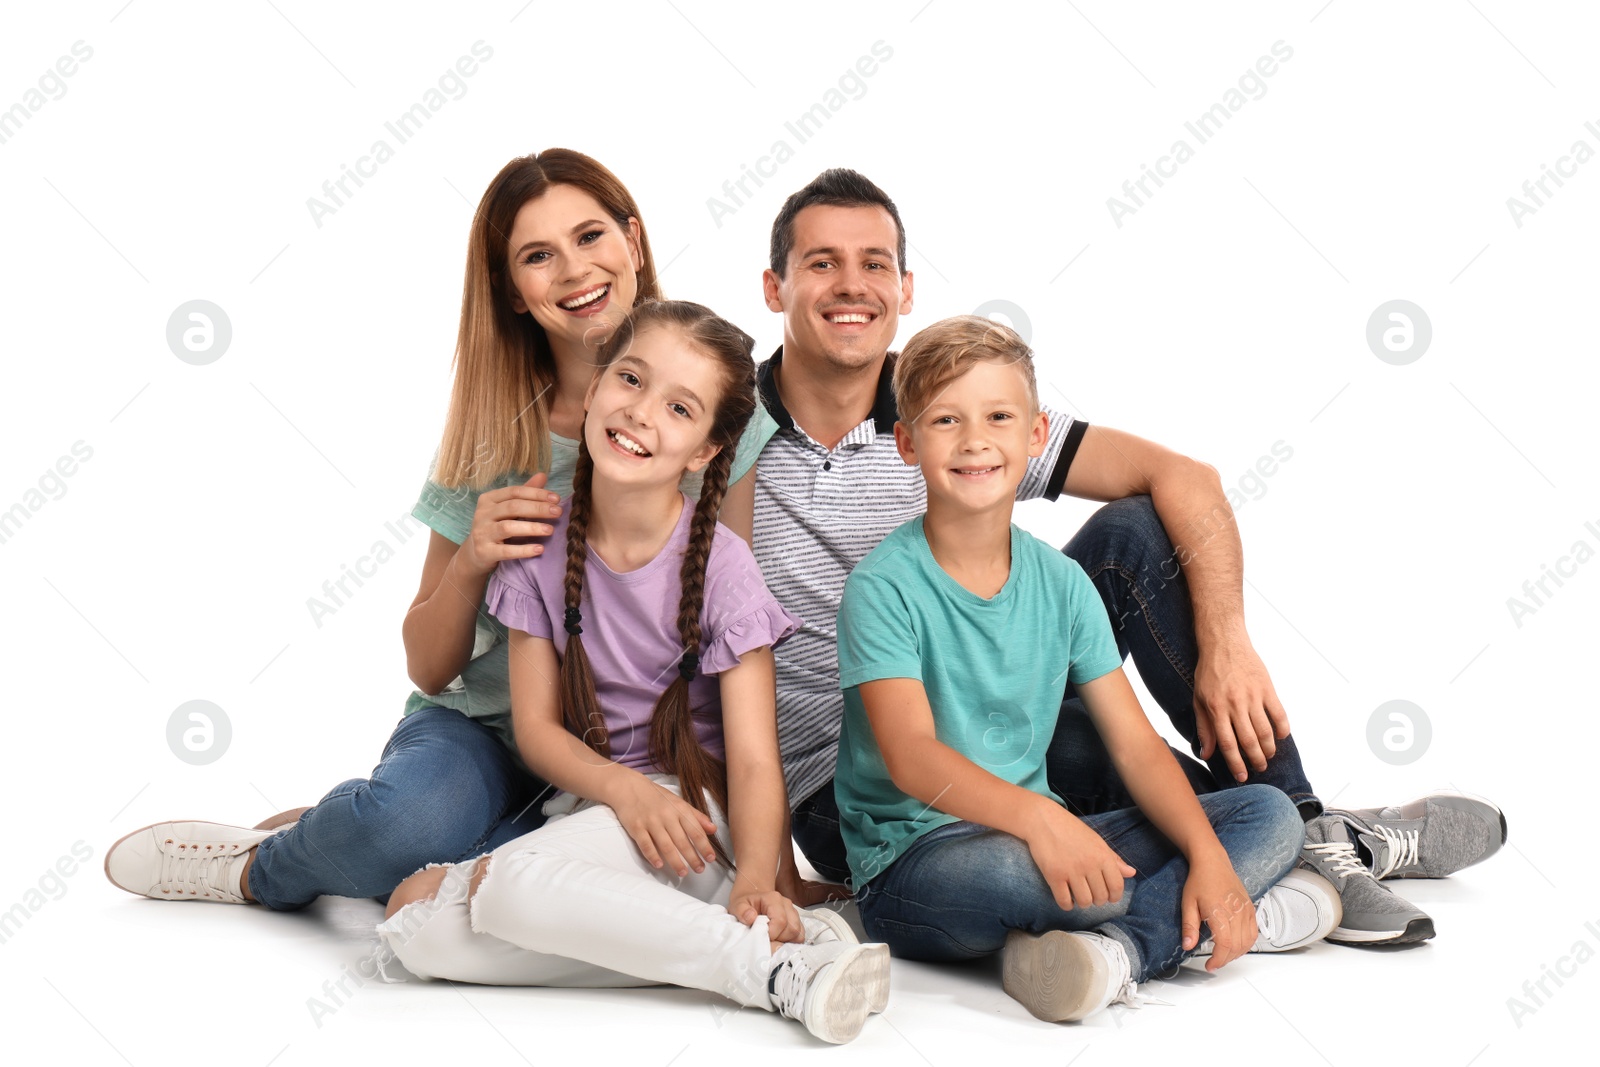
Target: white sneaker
[
  {"x": 826, "y": 924},
  {"x": 829, "y": 987},
  {"x": 184, "y": 861},
  {"x": 1300, "y": 910},
  {"x": 1064, "y": 976}
]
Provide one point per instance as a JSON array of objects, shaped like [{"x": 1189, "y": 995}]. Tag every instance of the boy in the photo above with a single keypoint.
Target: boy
[{"x": 954, "y": 659}]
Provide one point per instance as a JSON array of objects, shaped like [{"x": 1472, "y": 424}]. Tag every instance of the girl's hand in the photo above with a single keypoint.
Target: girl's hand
[
  {"x": 505, "y": 523},
  {"x": 667, "y": 828},
  {"x": 1213, "y": 893},
  {"x": 783, "y": 918},
  {"x": 1076, "y": 862}
]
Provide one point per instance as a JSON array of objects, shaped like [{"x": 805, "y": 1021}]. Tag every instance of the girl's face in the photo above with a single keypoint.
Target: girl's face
[
  {"x": 650, "y": 411},
  {"x": 572, "y": 266}
]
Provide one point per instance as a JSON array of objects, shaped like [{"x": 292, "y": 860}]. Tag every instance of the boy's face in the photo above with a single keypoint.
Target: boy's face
[{"x": 974, "y": 439}]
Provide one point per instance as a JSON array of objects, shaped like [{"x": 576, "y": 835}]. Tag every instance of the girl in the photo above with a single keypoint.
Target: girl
[
  {"x": 668, "y": 775},
  {"x": 556, "y": 257}
]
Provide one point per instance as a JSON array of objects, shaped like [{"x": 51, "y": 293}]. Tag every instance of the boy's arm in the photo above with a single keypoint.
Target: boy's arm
[
  {"x": 666, "y": 828},
  {"x": 1213, "y": 891},
  {"x": 758, "y": 806},
  {"x": 1076, "y": 862}
]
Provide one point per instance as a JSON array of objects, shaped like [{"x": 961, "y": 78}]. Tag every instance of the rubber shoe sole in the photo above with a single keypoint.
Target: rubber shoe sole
[
  {"x": 842, "y": 995},
  {"x": 842, "y": 930},
  {"x": 1416, "y": 930},
  {"x": 1057, "y": 977}
]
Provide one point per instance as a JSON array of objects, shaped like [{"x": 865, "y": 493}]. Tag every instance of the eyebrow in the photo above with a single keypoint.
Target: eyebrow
[
  {"x": 684, "y": 389},
  {"x": 881, "y": 253},
  {"x": 584, "y": 225}
]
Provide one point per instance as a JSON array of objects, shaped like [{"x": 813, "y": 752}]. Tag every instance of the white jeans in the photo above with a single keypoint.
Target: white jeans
[{"x": 575, "y": 904}]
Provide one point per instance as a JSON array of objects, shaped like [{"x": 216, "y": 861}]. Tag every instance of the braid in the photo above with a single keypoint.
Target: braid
[
  {"x": 580, "y": 707},
  {"x": 674, "y": 747}
]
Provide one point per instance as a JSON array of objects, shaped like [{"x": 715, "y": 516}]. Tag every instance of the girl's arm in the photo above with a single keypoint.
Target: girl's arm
[
  {"x": 1213, "y": 891},
  {"x": 758, "y": 805},
  {"x": 441, "y": 623},
  {"x": 666, "y": 828}
]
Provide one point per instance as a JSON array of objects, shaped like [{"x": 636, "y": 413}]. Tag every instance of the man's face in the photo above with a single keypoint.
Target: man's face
[{"x": 842, "y": 293}]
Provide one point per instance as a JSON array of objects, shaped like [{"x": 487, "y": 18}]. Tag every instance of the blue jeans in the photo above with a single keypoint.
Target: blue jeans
[
  {"x": 959, "y": 890},
  {"x": 445, "y": 790},
  {"x": 1126, "y": 553}
]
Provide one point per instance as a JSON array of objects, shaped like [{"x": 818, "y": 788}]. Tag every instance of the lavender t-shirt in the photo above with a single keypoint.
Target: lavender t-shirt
[{"x": 630, "y": 629}]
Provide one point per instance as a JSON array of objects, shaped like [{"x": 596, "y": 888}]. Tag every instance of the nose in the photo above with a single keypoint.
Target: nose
[{"x": 849, "y": 280}]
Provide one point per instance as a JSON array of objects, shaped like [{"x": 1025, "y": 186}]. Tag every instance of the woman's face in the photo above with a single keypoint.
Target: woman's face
[{"x": 572, "y": 266}]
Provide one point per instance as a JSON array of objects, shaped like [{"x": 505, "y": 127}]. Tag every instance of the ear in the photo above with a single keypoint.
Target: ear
[
  {"x": 519, "y": 305},
  {"x": 770, "y": 283},
  {"x": 904, "y": 444},
  {"x": 1039, "y": 436},
  {"x": 588, "y": 394},
  {"x": 635, "y": 243},
  {"x": 702, "y": 457},
  {"x": 906, "y": 287}
]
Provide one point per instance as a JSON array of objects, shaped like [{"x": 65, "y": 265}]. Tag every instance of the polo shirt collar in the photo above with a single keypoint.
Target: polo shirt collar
[{"x": 884, "y": 414}]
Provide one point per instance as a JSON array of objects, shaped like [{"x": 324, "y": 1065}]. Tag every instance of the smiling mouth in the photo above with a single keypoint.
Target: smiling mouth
[
  {"x": 587, "y": 299},
  {"x": 973, "y": 472},
  {"x": 845, "y": 318},
  {"x": 628, "y": 444}
]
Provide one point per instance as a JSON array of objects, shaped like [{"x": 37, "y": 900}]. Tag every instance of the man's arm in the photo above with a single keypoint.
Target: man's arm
[{"x": 1236, "y": 706}]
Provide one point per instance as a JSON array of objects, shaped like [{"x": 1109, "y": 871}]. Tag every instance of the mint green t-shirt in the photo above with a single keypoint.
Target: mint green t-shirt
[
  {"x": 995, "y": 672},
  {"x": 483, "y": 689}
]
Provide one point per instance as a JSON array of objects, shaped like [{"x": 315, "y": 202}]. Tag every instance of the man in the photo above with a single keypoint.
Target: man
[{"x": 1164, "y": 555}]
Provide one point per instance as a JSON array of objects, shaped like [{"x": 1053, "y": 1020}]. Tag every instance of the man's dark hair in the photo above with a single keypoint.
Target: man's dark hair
[{"x": 835, "y": 187}]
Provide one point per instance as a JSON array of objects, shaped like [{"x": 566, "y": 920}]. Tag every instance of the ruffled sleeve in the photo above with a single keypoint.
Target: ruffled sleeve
[
  {"x": 514, "y": 599},
  {"x": 767, "y": 624}
]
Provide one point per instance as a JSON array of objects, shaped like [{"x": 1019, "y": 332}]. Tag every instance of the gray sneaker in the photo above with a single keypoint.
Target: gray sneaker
[
  {"x": 1427, "y": 838},
  {"x": 1373, "y": 914}
]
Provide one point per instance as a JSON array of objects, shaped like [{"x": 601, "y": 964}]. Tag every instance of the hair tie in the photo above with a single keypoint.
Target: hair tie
[
  {"x": 574, "y": 616},
  {"x": 688, "y": 666}
]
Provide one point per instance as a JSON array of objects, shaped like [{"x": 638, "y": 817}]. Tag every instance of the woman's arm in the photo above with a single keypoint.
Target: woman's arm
[
  {"x": 666, "y": 828},
  {"x": 758, "y": 804},
  {"x": 739, "y": 507},
  {"x": 441, "y": 623}
]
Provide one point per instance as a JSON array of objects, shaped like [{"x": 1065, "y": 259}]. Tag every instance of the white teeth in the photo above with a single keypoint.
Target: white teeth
[
  {"x": 849, "y": 318},
  {"x": 573, "y": 305},
  {"x": 629, "y": 443}
]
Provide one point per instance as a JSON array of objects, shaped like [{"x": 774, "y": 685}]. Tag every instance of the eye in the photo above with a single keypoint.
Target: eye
[
  {"x": 591, "y": 237},
  {"x": 681, "y": 410},
  {"x": 629, "y": 377},
  {"x": 1001, "y": 415},
  {"x": 535, "y": 257},
  {"x": 821, "y": 263},
  {"x": 944, "y": 420}
]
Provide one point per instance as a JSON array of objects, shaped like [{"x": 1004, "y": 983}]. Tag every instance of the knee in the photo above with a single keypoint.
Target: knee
[
  {"x": 422, "y": 886},
  {"x": 1133, "y": 523},
  {"x": 1280, "y": 835}
]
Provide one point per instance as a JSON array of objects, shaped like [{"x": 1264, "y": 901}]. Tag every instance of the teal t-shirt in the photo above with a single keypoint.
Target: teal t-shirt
[
  {"x": 483, "y": 689},
  {"x": 995, "y": 672}
]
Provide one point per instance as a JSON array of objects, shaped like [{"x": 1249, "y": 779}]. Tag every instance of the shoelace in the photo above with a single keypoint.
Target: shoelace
[
  {"x": 191, "y": 872},
  {"x": 1342, "y": 855},
  {"x": 1402, "y": 848},
  {"x": 789, "y": 985}
]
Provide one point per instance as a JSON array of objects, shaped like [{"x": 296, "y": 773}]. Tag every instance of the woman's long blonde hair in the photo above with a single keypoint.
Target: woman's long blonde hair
[{"x": 499, "y": 418}]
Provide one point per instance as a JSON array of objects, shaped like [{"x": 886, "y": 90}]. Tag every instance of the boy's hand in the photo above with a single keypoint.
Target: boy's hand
[
  {"x": 667, "y": 828},
  {"x": 1213, "y": 893},
  {"x": 1076, "y": 862},
  {"x": 746, "y": 902},
  {"x": 1236, "y": 708}
]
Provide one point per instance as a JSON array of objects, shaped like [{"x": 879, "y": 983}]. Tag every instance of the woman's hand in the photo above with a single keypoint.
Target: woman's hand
[
  {"x": 746, "y": 902},
  {"x": 1214, "y": 894},
  {"x": 506, "y": 522},
  {"x": 668, "y": 829}
]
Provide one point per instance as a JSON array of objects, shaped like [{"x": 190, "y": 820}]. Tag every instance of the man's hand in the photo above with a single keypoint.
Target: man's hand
[{"x": 1236, "y": 708}]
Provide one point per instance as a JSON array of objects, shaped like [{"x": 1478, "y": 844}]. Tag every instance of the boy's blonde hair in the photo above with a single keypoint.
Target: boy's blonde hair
[{"x": 939, "y": 354}]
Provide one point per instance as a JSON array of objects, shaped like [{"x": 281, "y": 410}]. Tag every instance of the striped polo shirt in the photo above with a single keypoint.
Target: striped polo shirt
[{"x": 818, "y": 513}]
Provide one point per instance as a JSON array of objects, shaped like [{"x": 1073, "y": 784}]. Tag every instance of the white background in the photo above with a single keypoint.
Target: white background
[{"x": 1227, "y": 314}]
